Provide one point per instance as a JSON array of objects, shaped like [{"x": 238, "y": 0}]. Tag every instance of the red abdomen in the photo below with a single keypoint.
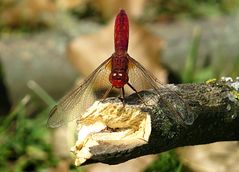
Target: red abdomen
[{"x": 121, "y": 34}]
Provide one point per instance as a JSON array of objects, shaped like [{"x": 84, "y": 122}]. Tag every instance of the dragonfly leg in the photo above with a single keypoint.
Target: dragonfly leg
[
  {"x": 107, "y": 93},
  {"x": 123, "y": 93},
  {"x": 123, "y": 96},
  {"x": 131, "y": 86}
]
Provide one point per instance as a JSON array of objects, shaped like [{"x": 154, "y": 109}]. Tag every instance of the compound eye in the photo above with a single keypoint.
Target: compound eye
[
  {"x": 114, "y": 74},
  {"x": 120, "y": 74}
]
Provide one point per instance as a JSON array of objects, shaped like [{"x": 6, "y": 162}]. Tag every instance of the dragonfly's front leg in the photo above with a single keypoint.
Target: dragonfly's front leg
[
  {"x": 122, "y": 96},
  {"x": 131, "y": 86}
]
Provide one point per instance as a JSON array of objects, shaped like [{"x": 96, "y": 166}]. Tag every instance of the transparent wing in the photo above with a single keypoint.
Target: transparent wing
[
  {"x": 76, "y": 101},
  {"x": 141, "y": 79}
]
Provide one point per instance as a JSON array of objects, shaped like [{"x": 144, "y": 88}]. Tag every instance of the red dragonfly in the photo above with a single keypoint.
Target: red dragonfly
[{"x": 116, "y": 72}]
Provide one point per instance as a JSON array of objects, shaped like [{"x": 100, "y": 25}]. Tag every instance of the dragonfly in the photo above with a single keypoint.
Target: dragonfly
[{"x": 120, "y": 70}]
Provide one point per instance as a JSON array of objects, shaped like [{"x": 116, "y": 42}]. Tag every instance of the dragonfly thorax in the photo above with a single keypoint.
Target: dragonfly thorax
[{"x": 118, "y": 79}]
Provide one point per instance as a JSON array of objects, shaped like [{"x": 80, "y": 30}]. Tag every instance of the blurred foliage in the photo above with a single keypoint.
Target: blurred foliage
[
  {"x": 166, "y": 162},
  {"x": 189, "y": 72},
  {"x": 87, "y": 12},
  {"x": 25, "y": 141},
  {"x": 168, "y": 10},
  {"x": 24, "y": 137},
  {"x": 22, "y": 29},
  {"x": 27, "y": 16},
  {"x": 192, "y": 73},
  {"x": 195, "y": 73}
]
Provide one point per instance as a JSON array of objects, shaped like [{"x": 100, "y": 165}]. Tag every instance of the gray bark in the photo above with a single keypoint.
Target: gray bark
[{"x": 216, "y": 110}]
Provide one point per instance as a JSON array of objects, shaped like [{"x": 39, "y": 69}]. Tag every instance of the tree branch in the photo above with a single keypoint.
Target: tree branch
[{"x": 215, "y": 106}]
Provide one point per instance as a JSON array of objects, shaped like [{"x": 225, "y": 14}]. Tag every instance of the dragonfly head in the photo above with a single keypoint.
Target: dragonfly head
[{"x": 118, "y": 79}]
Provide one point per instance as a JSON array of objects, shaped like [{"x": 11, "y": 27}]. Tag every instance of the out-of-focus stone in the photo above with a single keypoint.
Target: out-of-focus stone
[
  {"x": 215, "y": 157},
  {"x": 134, "y": 165},
  {"x": 36, "y": 57}
]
